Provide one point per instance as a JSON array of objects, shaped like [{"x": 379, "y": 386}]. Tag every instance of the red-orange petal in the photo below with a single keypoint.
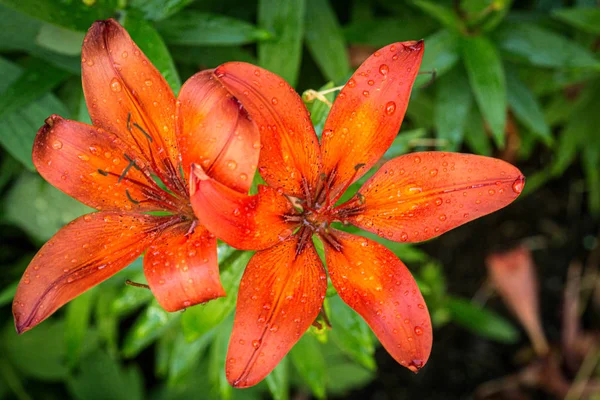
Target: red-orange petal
[
  {"x": 126, "y": 95},
  {"x": 290, "y": 158},
  {"x": 419, "y": 196},
  {"x": 96, "y": 168},
  {"x": 244, "y": 222},
  {"x": 181, "y": 267},
  {"x": 281, "y": 294},
  {"x": 215, "y": 132},
  {"x": 84, "y": 253},
  {"x": 368, "y": 112},
  {"x": 378, "y": 286}
]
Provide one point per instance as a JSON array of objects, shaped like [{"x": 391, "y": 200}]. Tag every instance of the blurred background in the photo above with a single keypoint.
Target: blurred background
[{"x": 514, "y": 296}]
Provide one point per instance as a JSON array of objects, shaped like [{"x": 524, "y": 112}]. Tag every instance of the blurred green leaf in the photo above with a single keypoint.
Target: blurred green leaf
[
  {"x": 351, "y": 333},
  {"x": 590, "y": 161},
  {"x": 203, "y": 57},
  {"x": 106, "y": 320},
  {"x": 77, "y": 322},
  {"x": 163, "y": 352},
  {"x": 282, "y": 54},
  {"x": 308, "y": 359},
  {"x": 420, "y": 109},
  {"x": 147, "y": 328},
  {"x": 217, "y": 357},
  {"x": 481, "y": 321},
  {"x": 40, "y": 209},
  {"x": 325, "y": 40},
  {"x": 8, "y": 293},
  {"x": 155, "y": 49},
  {"x": 584, "y": 18},
  {"x": 101, "y": 377},
  {"x": 194, "y": 28},
  {"x": 75, "y": 15},
  {"x": 186, "y": 355},
  {"x": 131, "y": 298},
  {"x": 526, "y": 107},
  {"x": 452, "y": 106},
  {"x": 486, "y": 74},
  {"x": 542, "y": 47},
  {"x": 39, "y": 353},
  {"x": 60, "y": 40},
  {"x": 475, "y": 135},
  {"x": 382, "y": 31},
  {"x": 158, "y": 9},
  {"x": 441, "y": 53},
  {"x": 444, "y": 15},
  {"x": 344, "y": 377},
  {"x": 200, "y": 319},
  {"x": 403, "y": 142},
  {"x": 278, "y": 381}
]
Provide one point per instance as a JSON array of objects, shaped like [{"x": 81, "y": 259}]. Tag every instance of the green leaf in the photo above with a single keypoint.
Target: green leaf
[
  {"x": 147, "y": 328},
  {"x": 60, "y": 40},
  {"x": 186, "y": 355},
  {"x": 282, "y": 54},
  {"x": 156, "y": 10},
  {"x": 76, "y": 15},
  {"x": 77, "y": 322},
  {"x": 452, "y": 106},
  {"x": 344, "y": 377},
  {"x": 200, "y": 319},
  {"x": 163, "y": 352},
  {"x": 37, "y": 79},
  {"x": 475, "y": 135},
  {"x": 8, "y": 293},
  {"x": 217, "y": 356},
  {"x": 203, "y": 57},
  {"x": 526, "y": 107},
  {"x": 585, "y": 18},
  {"x": 381, "y": 31},
  {"x": 131, "y": 298},
  {"x": 481, "y": 321},
  {"x": 106, "y": 320},
  {"x": 351, "y": 333},
  {"x": 444, "y": 15},
  {"x": 542, "y": 47},
  {"x": 40, "y": 353},
  {"x": 278, "y": 381},
  {"x": 486, "y": 74},
  {"x": 40, "y": 209},
  {"x": 590, "y": 161},
  {"x": 404, "y": 142},
  {"x": 150, "y": 42},
  {"x": 194, "y": 28},
  {"x": 441, "y": 54},
  {"x": 101, "y": 377},
  {"x": 325, "y": 40},
  {"x": 308, "y": 359}
]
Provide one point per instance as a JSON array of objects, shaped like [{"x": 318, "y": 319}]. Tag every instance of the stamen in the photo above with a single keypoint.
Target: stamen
[
  {"x": 129, "y": 122},
  {"x": 349, "y": 182},
  {"x": 136, "y": 125},
  {"x": 135, "y": 284},
  {"x": 127, "y": 168},
  {"x": 132, "y": 161},
  {"x": 101, "y": 172},
  {"x": 305, "y": 235},
  {"x": 433, "y": 74},
  {"x": 131, "y": 198}
]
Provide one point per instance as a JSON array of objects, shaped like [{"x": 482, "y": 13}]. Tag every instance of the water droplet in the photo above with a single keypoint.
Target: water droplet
[
  {"x": 366, "y": 93},
  {"x": 384, "y": 69},
  {"x": 404, "y": 236},
  {"x": 236, "y": 212},
  {"x": 57, "y": 145},
  {"x": 417, "y": 160},
  {"x": 418, "y": 330},
  {"x": 433, "y": 172},
  {"x": 442, "y": 217},
  {"x": 351, "y": 83},
  {"x": 90, "y": 63},
  {"x": 274, "y": 101},
  {"x": 390, "y": 108},
  {"x": 115, "y": 85},
  {"x": 370, "y": 82},
  {"x": 243, "y": 177},
  {"x": 518, "y": 184},
  {"x": 87, "y": 218},
  {"x": 491, "y": 192},
  {"x": 438, "y": 201},
  {"x": 256, "y": 344},
  {"x": 83, "y": 157},
  {"x": 124, "y": 54},
  {"x": 257, "y": 72},
  {"x": 187, "y": 303},
  {"x": 328, "y": 132},
  {"x": 231, "y": 165},
  {"x": 148, "y": 82}
]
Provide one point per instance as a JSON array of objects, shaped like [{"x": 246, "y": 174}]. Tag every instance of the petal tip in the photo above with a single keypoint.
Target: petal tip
[
  {"x": 415, "y": 365},
  {"x": 519, "y": 184},
  {"x": 415, "y": 45}
]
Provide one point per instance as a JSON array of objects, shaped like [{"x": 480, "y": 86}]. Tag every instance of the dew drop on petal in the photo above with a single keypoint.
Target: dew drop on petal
[
  {"x": 390, "y": 108},
  {"x": 57, "y": 145},
  {"x": 351, "y": 83},
  {"x": 384, "y": 69},
  {"x": 231, "y": 165},
  {"x": 518, "y": 184},
  {"x": 418, "y": 330},
  {"x": 115, "y": 85}
]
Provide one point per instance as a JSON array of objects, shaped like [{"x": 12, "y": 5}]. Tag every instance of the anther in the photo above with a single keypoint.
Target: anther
[
  {"x": 101, "y": 172},
  {"x": 135, "y": 284},
  {"x": 129, "y": 122},
  {"x": 136, "y": 125},
  {"x": 134, "y": 201}
]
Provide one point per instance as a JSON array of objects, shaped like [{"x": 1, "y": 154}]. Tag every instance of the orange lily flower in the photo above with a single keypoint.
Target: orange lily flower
[
  {"x": 141, "y": 134},
  {"x": 411, "y": 198}
]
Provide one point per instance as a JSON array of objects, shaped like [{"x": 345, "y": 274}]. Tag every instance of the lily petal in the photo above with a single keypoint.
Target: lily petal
[
  {"x": 378, "y": 286},
  {"x": 290, "y": 158},
  {"x": 368, "y": 112},
  {"x": 182, "y": 268},
  {"x": 96, "y": 168},
  {"x": 245, "y": 222},
  {"x": 84, "y": 253},
  {"x": 281, "y": 294},
  {"x": 126, "y": 95},
  {"x": 419, "y": 196},
  {"x": 214, "y": 131}
]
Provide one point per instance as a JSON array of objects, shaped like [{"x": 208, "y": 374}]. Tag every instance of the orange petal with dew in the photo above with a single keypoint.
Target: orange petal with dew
[
  {"x": 216, "y": 132},
  {"x": 368, "y": 112},
  {"x": 242, "y": 221},
  {"x": 281, "y": 294},
  {"x": 96, "y": 168},
  {"x": 378, "y": 286},
  {"x": 419, "y": 196},
  {"x": 126, "y": 95},
  {"x": 290, "y": 156},
  {"x": 84, "y": 253},
  {"x": 181, "y": 267}
]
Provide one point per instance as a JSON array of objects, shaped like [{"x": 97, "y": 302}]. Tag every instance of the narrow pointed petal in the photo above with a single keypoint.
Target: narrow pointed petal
[
  {"x": 182, "y": 268},
  {"x": 290, "y": 158},
  {"x": 419, "y": 196},
  {"x": 513, "y": 275},
  {"x": 368, "y": 112},
  {"x": 96, "y": 168},
  {"x": 244, "y": 222},
  {"x": 281, "y": 294},
  {"x": 215, "y": 132},
  {"x": 84, "y": 253},
  {"x": 378, "y": 286},
  {"x": 126, "y": 95}
]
